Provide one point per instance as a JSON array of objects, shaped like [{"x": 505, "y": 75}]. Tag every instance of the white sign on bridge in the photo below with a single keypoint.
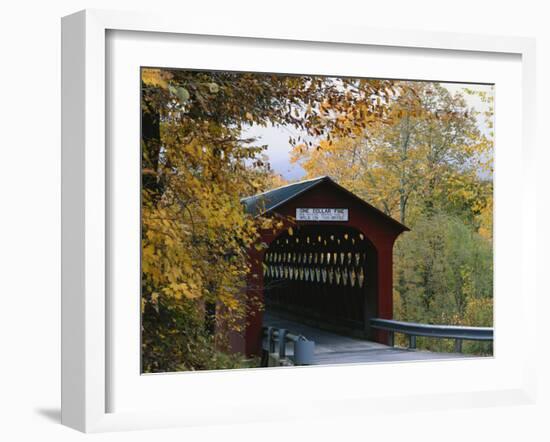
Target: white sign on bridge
[{"x": 318, "y": 214}]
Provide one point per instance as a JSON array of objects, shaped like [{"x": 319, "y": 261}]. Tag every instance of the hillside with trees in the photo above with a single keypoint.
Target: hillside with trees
[{"x": 429, "y": 166}]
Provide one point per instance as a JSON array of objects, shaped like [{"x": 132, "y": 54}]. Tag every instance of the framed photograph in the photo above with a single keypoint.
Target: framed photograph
[{"x": 262, "y": 223}]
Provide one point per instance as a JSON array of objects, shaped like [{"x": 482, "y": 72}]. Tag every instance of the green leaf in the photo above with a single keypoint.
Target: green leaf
[{"x": 182, "y": 94}]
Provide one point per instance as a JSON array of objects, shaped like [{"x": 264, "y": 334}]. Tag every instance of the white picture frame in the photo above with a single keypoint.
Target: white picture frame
[{"x": 86, "y": 351}]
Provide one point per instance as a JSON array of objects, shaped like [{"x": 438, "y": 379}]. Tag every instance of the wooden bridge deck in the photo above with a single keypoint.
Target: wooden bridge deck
[{"x": 331, "y": 348}]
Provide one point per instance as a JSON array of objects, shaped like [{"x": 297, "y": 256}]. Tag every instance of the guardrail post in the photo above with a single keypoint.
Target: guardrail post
[
  {"x": 391, "y": 338},
  {"x": 458, "y": 345},
  {"x": 304, "y": 351},
  {"x": 412, "y": 342},
  {"x": 265, "y": 351},
  {"x": 270, "y": 340},
  {"x": 282, "y": 342}
]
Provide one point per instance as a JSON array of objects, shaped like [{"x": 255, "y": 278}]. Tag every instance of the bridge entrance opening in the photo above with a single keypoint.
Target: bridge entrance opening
[{"x": 324, "y": 276}]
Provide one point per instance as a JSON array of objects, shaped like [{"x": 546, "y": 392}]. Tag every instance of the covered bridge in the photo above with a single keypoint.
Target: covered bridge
[{"x": 330, "y": 265}]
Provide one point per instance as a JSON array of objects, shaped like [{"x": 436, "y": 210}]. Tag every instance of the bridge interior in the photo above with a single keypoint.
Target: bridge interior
[{"x": 322, "y": 276}]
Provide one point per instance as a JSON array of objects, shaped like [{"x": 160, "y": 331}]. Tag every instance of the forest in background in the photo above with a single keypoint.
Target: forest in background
[
  {"x": 429, "y": 166},
  {"x": 412, "y": 149}
]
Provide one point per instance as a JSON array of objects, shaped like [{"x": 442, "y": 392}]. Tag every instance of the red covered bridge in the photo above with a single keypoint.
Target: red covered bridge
[{"x": 330, "y": 265}]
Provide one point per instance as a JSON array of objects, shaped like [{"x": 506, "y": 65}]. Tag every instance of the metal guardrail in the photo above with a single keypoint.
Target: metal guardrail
[
  {"x": 412, "y": 330},
  {"x": 276, "y": 340}
]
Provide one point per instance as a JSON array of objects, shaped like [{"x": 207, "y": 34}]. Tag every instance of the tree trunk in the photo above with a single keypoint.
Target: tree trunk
[{"x": 150, "y": 156}]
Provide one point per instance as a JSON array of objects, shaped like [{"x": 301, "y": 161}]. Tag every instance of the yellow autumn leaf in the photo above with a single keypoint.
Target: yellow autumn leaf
[{"x": 154, "y": 77}]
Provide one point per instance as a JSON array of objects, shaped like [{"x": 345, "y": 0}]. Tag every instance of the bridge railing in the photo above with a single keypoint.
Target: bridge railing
[
  {"x": 412, "y": 330},
  {"x": 276, "y": 339}
]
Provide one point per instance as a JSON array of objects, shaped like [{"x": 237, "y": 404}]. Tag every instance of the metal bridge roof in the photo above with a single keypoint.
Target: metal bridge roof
[
  {"x": 267, "y": 201},
  {"x": 270, "y": 200}
]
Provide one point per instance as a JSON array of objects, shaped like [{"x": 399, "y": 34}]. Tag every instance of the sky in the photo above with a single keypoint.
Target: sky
[{"x": 278, "y": 147}]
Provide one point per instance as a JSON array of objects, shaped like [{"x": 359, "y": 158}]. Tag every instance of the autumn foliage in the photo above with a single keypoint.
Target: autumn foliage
[
  {"x": 413, "y": 149},
  {"x": 428, "y": 165},
  {"x": 195, "y": 169}
]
